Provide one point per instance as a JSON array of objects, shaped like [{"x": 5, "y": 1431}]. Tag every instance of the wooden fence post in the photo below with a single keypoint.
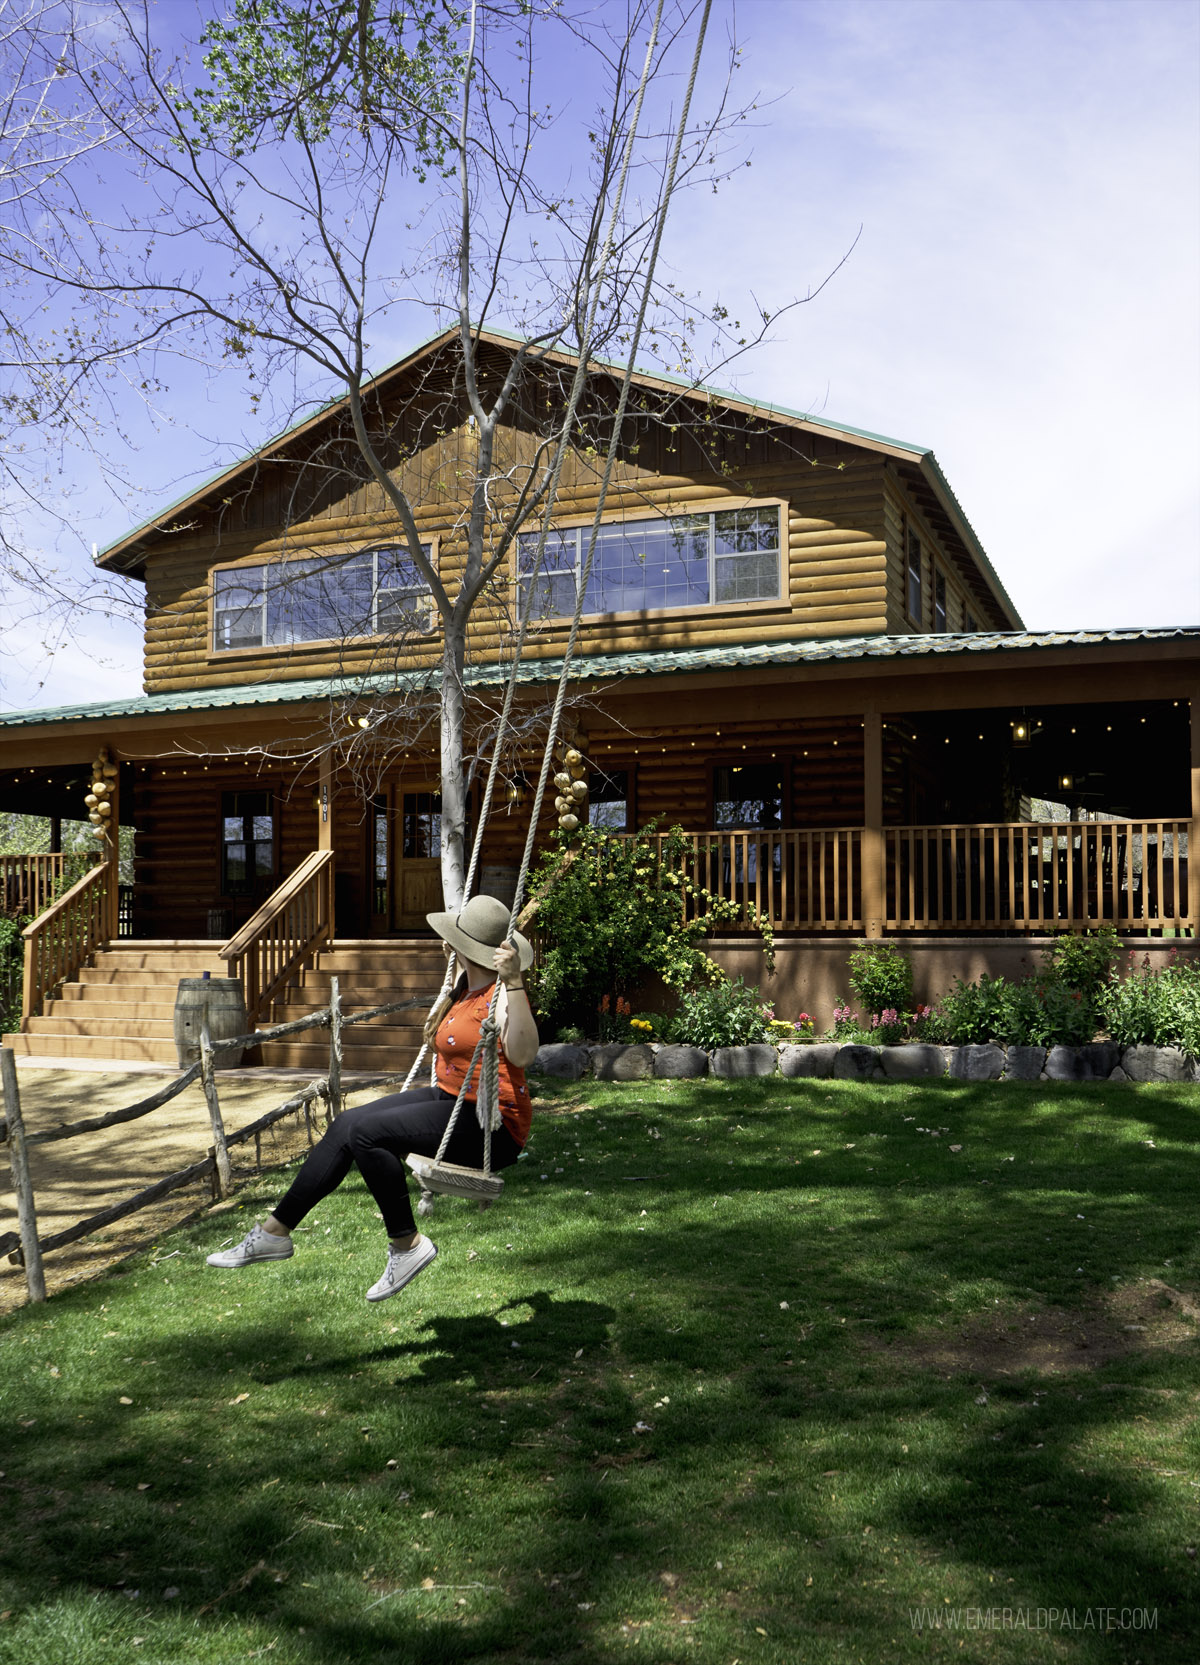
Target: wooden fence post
[
  {"x": 335, "y": 1049},
  {"x": 220, "y": 1148},
  {"x": 35, "y": 1278}
]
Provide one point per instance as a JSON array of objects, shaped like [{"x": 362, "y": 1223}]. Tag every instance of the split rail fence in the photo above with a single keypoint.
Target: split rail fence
[{"x": 24, "y": 1247}]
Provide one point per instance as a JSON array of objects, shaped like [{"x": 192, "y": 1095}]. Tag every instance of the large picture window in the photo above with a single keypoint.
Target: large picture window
[
  {"x": 703, "y": 560},
  {"x": 318, "y": 598}
]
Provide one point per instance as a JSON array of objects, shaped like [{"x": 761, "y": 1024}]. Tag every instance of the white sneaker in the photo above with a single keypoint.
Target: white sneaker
[
  {"x": 257, "y": 1244},
  {"x": 402, "y": 1267}
]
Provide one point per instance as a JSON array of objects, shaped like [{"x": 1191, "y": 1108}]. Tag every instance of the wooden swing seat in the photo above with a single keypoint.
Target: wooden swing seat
[{"x": 450, "y": 1179}]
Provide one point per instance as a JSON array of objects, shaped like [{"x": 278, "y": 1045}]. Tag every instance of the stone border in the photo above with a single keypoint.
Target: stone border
[{"x": 1098, "y": 1061}]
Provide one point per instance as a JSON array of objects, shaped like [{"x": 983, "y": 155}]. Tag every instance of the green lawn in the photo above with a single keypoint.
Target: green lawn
[{"x": 735, "y": 1371}]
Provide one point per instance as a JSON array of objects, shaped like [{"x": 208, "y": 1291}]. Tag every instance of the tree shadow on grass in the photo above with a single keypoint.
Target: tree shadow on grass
[{"x": 519, "y": 1468}]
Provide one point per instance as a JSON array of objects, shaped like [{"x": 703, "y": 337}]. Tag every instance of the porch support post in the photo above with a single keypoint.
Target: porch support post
[
  {"x": 325, "y": 802},
  {"x": 872, "y": 837},
  {"x": 1194, "y": 830},
  {"x": 112, "y": 897}
]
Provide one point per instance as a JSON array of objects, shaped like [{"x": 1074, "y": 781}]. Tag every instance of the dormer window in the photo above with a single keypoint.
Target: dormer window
[
  {"x": 320, "y": 598},
  {"x": 719, "y": 559}
]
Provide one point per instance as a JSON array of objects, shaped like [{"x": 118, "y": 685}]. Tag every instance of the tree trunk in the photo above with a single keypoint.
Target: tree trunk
[{"x": 454, "y": 797}]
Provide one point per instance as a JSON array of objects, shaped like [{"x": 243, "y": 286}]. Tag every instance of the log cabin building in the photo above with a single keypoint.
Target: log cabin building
[{"x": 793, "y": 647}]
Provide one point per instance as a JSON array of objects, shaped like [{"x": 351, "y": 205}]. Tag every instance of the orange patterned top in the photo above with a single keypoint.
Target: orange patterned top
[{"x": 455, "y": 1043}]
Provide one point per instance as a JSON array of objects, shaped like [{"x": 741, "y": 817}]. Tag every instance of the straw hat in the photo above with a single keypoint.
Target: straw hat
[{"x": 478, "y": 930}]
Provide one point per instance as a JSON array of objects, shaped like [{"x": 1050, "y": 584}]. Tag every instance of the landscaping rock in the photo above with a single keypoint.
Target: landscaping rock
[
  {"x": 680, "y": 1063},
  {"x": 614, "y": 1062},
  {"x": 1024, "y": 1063},
  {"x": 816, "y": 1059},
  {"x": 734, "y": 1062},
  {"x": 856, "y": 1063},
  {"x": 907, "y": 1063},
  {"x": 976, "y": 1063},
  {"x": 1118, "y": 1074},
  {"x": 1156, "y": 1063},
  {"x": 1094, "y": 1062},
  {"x": 561, "y": 1059}
]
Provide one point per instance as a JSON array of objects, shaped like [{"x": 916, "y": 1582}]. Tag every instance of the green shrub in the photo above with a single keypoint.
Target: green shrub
[
  {"x": 12, "y": 973},
  {"x": 611, "y": 915},
  {"x": 721, "y": 1014},
  {"x": 1155, "y": 1008},
  {"x": 881, "y": 977},
  {"x": 1084, "y": 962},
  {"x": 1037, "y": 1011}
]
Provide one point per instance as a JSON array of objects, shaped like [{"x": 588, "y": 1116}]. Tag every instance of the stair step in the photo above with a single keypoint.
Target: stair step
[
  {"x": 126, "y": 1024},
  {"x": 117, "y": 1048},
  {"x": 85, "y": 1009}
]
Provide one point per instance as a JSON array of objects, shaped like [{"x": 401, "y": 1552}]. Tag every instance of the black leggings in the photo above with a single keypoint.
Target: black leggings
[{"x": 377, "y": 1137}]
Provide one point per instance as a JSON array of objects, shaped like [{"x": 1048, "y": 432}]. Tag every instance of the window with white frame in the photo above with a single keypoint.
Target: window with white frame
[
  {"x": 701, "y": 560},
  {"x": 376, "y": 592}
]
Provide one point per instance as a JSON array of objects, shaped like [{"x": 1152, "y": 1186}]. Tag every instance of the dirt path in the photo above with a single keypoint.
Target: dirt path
[{"x": 77, "y": 1177}]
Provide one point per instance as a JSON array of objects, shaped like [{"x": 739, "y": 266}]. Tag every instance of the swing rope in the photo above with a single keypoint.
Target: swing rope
[{"x": 487, "y": 1046}]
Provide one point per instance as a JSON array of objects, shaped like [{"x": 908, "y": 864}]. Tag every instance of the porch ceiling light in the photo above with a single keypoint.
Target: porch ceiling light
[
  {"x": 1066, "y": 782},
  {"x": 1020, "y": 732}
]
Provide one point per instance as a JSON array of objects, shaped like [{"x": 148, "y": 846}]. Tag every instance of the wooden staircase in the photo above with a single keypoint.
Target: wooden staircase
[{"x": 122, "y": 1005}]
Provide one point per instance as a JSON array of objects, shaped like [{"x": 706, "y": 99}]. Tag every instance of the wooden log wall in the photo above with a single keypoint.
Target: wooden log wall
[
  {"x": 833, "y": 565},
  {"x": 900, "y": 509},
  {"x": 177, "y": 864}
]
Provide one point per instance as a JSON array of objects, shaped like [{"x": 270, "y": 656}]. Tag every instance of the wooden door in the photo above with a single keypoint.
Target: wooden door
[{"x": 416, "y": 864}]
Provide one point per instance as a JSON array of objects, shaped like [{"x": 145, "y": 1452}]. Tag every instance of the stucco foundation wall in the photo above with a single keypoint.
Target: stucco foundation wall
[{"x": 810, "y": 972}]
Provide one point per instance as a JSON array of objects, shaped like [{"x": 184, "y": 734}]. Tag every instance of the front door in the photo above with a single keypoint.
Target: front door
[{"x": 417, "y": 864}]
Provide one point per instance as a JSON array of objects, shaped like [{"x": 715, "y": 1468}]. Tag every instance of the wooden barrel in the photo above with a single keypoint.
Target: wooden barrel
[{"x": 222, "y": 1003}]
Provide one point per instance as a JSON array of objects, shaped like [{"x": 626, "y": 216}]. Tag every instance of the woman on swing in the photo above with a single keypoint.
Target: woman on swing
[{"x": 378, "y": 1136}]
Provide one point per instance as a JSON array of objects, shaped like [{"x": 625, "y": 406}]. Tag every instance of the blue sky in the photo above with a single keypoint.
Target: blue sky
[{"x": 1022, "y": 297}]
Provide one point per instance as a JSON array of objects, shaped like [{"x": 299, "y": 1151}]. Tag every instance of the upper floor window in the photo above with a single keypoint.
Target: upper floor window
[
  {"x": 939, "y": 601},
  {"x": 319, "y": 598},
  {"x": 701, "y": 560},
  {"x": 913, "y": 594}
]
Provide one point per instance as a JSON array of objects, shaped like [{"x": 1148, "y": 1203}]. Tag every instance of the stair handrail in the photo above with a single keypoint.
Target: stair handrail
[
  {"x": 59, "y": 940},
  {"x": 284, "y": 936}
]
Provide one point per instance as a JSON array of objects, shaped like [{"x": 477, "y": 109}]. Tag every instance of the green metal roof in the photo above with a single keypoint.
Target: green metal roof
[{"x": 604, "y": 667}]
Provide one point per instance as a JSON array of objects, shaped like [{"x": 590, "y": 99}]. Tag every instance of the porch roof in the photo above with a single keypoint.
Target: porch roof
[{"x": 596, "y": 668}]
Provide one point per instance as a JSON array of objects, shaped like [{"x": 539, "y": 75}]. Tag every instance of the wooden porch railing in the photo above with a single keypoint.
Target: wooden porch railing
[
  {"x": 998, "y": 877},
  {"x": 26, "y": 882},
  {"x": 275, "y": 944},
  {"x": 60, "y": 940},
  {"x": 808, "y": 879},
  {"x": 1038, "y": 876}
]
